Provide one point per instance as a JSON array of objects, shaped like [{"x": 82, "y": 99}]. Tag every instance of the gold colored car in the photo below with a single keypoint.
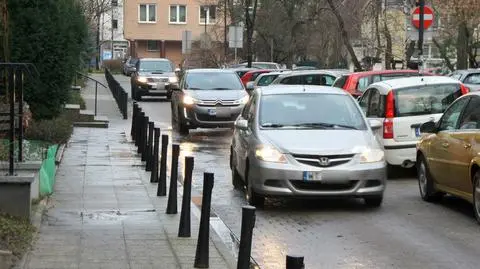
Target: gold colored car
[{"x": 448, "y": 154}]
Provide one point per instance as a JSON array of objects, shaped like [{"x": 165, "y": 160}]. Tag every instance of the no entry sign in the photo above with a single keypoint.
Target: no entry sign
[{"x": 427, "y": 17}]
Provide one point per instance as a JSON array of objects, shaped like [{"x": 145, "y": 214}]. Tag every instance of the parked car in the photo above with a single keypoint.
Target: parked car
[
  {"x": 129, "y": 66},
  {"x": 259, "y": 65},
  {"x": 310, "y": 77},
  {"x": 264, "y": 79},
  {"x": 153, "y": 77},
  {"x": 253, "y": 74},
  {"x": 242, "y": 70},
  {"x": 306, "y": 141},
  {"x": 470, "y": 78},
  {"x": 207, "y": 98},
  {"x": 447, "y": 155},
  {"x": 356, "y": 83},
  {"x": 403, "y": 105}
]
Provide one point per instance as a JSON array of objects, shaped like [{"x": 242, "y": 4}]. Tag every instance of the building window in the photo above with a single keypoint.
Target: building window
[
  {"x": 211, "y": 14},
  {"x": 114, "y": 3},
  {"x": 147, "y": 13},
  {"x": 152, "y": 45},
  {"x": 115, "y": 24},
  {"x": 178, "y": 14}
]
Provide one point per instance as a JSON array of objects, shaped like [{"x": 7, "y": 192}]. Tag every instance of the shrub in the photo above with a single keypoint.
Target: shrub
[
  {"x": 115, "y": 66},
  {"x": 76, "y": 98},
  {"x": 56, "y": 131},
  {"x": 15, "y": 234}
]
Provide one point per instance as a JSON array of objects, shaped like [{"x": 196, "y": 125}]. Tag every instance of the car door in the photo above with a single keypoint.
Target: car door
[
  {"x": 441, "y": 145},
  {"x": 462, "y": 147},
  {"x": 243, "y": 136}
]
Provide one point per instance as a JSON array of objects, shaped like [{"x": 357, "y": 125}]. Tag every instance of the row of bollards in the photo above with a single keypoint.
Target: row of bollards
[{"x": 154, "y": 152}]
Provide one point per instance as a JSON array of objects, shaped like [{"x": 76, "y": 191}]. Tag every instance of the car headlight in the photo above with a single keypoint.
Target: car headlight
[
  {"x": 142, "y": 79},
  {"x": 244, "y": 100},
  {"x": 372, "y": 156},
  {"x": 173, "y": 79},
  {"x": 269, "y": 154},
  {"x": 188, "y": 100}
]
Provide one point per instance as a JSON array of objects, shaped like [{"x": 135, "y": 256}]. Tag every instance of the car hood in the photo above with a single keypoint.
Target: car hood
[
  {"x": 319, "y": 142},
  {"x": 216, "y": 94},
  {"x": 157, "y": 74}
]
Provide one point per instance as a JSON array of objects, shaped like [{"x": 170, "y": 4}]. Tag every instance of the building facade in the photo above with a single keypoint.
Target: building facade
[
  {"x": 111, "y": 31},
  {"x": 154, "y": 28}
]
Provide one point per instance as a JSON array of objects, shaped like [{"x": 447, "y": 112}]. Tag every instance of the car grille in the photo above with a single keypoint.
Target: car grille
[
  {"x": 205, "y": 117},
  {"x": 217, "y": 103},
  {"x": 322, "y": 186},
  {"x": 323, "y": 160},
  {"x": 157, "y": 80}
]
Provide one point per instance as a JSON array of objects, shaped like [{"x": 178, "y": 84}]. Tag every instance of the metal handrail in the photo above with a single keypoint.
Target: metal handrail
[{"x": 96, "y": 86}]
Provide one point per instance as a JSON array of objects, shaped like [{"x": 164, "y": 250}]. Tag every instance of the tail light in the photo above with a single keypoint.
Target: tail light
[
  {"x": 389, "y": 115},
  {"x": 464, "y": 89}
]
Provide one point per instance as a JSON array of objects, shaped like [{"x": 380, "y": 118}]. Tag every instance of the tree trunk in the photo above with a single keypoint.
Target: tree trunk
[
  {"x": 462, "y": 46},
  {"x": 345, "y": 37},
  {"x": 443, "y": 54},
  {"x": 388, "y": 49},
  {"x": 377, "y": 28},
  {"x": 409, "y": 50},
  {"x": 250, "y": 23}
]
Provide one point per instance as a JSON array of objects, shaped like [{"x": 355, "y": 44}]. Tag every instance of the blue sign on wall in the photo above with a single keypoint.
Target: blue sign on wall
[{"x": 107, "y": 55}]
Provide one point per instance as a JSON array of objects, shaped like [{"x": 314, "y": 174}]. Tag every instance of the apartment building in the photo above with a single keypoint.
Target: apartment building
[
  {"x": 111, "y": 31},
  {"x": 154, "y": 28}
]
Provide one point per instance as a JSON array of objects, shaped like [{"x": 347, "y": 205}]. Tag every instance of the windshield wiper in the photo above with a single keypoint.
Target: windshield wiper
[
  {"x": 323, "y": 125},
  {"x": 272, "y": 125}
]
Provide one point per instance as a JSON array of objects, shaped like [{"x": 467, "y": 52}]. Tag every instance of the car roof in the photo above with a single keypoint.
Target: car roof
[
  {"x": 336, "y": 73},
  {"x": 154, "y": 59},
  {"x": 398, "y": 83},
  {"x": 468, "y": 71},
  {"x": 289, "y": 89},
  {"x": 380, "y": 72},
  {"x": 210, "y": 70}
]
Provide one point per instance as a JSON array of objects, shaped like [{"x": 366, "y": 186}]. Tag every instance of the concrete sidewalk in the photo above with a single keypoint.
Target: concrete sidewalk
[{"x": 105, "y": 212}]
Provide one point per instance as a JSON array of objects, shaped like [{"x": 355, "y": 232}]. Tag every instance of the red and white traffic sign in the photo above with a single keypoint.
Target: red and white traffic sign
[{"x": 427, "y": 17}]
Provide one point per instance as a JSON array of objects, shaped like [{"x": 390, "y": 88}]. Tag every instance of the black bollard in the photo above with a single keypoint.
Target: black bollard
[
  {"x": 162, "y": 178},
  {"x": 134, "y": 115},
  {"x": 245, "y": 249},
  {"x": 149, "y": 153},
  {"x": 138, "y": 125},
  {"x": 144, "y": 138},
  {"x": 295, "y": 262},
  {"x": 184, "y": 227},
  {"x": 172, "y": 194},
  {"x": 201, "y": 254},
  {"x": 156, "y": 146}
]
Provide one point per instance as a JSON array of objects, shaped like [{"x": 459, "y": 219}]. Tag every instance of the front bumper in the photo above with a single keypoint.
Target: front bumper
[
  {"x": 155, "y": 88},
  {"x": 348, "y": 180},
  {"x": 204, "y": 117}
]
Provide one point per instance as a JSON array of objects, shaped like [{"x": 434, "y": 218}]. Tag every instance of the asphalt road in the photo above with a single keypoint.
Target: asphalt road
[{"x": 404, "y": 233}]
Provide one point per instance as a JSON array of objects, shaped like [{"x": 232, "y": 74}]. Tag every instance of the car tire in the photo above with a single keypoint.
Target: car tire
[
  {"x": 236, "y": 179},
  {"x": 425, "y": 182},
  {"x": 181, "y": 127},
  {"x": 253, "y": 198},
  {"x": 373, "y": 201},
  {"x": 476, "y": 195}
]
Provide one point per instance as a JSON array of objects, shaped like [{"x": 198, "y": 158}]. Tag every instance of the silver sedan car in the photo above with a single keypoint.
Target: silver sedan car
[{"x": 306, "y": 141}]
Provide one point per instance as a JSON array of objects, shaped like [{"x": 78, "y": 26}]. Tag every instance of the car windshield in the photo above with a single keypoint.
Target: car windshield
[
  {"x": 213, "y": 81},
  {"x": 266, "y": 80},
  {"x": 265, "y": 65},
  {"x": 312, "y": 110},
  {"x": 424, "y": 100},
  {"x": 156, "y": 66}
]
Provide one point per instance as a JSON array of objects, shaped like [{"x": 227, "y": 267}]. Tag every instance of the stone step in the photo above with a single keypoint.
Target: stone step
[
  {"x": 93, "y": 124},
  {"x": 76, "y": 87},
  {"x": 86, "y": 115},
  {"x": 101, "y": 119}
]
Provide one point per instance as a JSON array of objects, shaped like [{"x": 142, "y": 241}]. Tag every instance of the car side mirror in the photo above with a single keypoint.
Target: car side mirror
[
  {"x": 375, "y": 124},
  {"x": 428, "y": 127},
  {"x": 250, "y": 86},
  {"x": 241, "y": 124}
]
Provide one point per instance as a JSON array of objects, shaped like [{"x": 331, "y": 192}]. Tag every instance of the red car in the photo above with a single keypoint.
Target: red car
[
  {"x": 357, "y": 83},
  {"x": 253, "y": 74}
]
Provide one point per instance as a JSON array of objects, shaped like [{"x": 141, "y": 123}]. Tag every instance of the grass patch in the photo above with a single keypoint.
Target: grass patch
[
  {"x": 76, "y": 98},
  {"x": 15, "y": 234}
]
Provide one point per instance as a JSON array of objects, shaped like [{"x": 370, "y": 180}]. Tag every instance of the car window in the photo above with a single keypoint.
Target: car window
[
  {"x": 472, "y": 79},
  {"x": 456, "y": 76},
  {"x": 425, "y": 99},
  {"x": 449, "y": 120},
  {"x": 363, "y": 84},
  {"x": 471, "y": 116},
  {"x": 329, "y": 80},
  {"x": 375, "y": 104},
  {"x": 266, "y": 80},
  {"x": 213, "y": 81},
  {"x": 340, "y": 82},
  {"x": 255, "y": 76},
  {"x": 293, "y": 80},
  {"x": 156, "y": 66},
  {"x": 295, "y": 109},
  {"x": 241, "y": 73},
  {"x": 364, "y": 101}
]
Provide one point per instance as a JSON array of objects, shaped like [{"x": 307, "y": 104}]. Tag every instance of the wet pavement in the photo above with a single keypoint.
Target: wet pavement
[
  {"x": 104, "y": 212},
  {"x": 404, "y": 233}
]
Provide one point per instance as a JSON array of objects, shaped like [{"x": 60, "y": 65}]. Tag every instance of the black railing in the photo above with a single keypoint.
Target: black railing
[
  {"x": 119, "y": 93},
  {"x": 96, "y": 87}
]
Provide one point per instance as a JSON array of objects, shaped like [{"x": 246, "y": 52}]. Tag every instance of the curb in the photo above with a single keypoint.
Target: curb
[{"x": 59, "y": 154}]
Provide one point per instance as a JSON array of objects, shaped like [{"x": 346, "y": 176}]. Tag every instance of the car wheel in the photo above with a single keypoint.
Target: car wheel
[
  {"x": 374, "y": 201},
  {"x": 425, "y": 182},
  {"x": 253, "y": 198},
  {"x": 476, "y": 196},
  {"x": 236, "y": 179},
  {"x": 181, "y": 127}
]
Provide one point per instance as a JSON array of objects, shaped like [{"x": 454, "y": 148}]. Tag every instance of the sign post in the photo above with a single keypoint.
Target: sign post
[
  {"x": 235, "y": 38},
  {"x": 186, "y": 44}
]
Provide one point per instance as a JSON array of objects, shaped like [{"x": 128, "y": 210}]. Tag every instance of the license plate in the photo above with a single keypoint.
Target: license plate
[
  {"x": 312, "y": 176},
  {"x": 160, "y": 86},
  {"x": 417, "y": 132},
  {"x": 212, "y": 111}
]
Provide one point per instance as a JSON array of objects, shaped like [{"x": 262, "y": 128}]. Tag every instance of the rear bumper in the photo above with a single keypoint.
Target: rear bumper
[{"x": 401, "y": 153}]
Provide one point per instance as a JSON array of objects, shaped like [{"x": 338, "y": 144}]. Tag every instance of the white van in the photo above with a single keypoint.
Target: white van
[{"x": 403, "y": 105}]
